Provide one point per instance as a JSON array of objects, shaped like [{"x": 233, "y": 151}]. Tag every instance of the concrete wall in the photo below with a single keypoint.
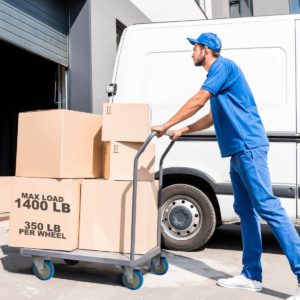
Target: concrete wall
[
  {"x": 208, "y": 9},
  {"x": 270, "y": 7},
  {"x": 103, "y": 42},
  {"x": 80, "y": 94},
  {"x": 220, "y": 9},
  {"x": 170, "y": 10},
  {"x": 93, "y": 48}
]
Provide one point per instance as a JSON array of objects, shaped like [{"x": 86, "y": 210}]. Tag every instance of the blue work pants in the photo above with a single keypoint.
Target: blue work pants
[{"x": 253, "y": 198}]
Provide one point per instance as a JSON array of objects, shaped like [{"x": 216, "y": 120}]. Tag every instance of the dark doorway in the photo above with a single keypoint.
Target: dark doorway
[{"x": 27, "y": 83}]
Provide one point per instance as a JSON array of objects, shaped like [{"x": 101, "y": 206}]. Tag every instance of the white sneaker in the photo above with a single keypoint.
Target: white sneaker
[
  {"x": 241, "y": 282},
  {"x": 297, "y": 296}
]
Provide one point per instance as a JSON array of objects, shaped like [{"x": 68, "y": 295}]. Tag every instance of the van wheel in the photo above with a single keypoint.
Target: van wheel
[{"x": 188, "y": 217}]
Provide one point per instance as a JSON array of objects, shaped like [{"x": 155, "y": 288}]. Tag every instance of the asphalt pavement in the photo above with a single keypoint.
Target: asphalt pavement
[{"x": 192, "y": 275}]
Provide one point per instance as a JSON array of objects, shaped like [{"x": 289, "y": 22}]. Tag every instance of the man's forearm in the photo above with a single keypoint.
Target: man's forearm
[
  {"x": 201, "y": 124},
  {"x": 187, "y": 110}
]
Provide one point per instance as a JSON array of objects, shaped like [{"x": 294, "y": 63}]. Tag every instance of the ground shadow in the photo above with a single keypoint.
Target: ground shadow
[
  {"x": 226, "y": 237},
  {"x": 14, "y": 262},
  {"x": 200, "y": 268}
]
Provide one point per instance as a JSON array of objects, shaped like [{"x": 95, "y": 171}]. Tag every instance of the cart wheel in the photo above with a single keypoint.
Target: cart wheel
[
  {"x": 47, "y": 273},
  {"x": 71, "y": 262},
  {"x": 134, "y": 284},
  {"x": 162, "y": 268}
]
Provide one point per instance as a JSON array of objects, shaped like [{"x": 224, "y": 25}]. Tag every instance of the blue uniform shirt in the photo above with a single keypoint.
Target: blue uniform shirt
[{"x": 237, "y": 123}]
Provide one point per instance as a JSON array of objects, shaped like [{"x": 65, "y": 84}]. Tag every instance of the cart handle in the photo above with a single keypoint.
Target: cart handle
[{"x": 134, "y": 192}]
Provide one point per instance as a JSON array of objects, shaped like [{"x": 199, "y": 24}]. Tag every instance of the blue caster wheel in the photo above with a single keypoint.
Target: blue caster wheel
[
  {"x": 160, "y": 269},
  {"x": 71, "y": 262},
  {"x": 135, "y": 283},
  {"x": 47, "y": 272}
]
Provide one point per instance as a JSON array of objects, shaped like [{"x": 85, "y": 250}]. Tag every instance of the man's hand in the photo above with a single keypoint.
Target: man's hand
[
  {"x": 175, "y": 134},
  {"x": 161, "y": 130}
]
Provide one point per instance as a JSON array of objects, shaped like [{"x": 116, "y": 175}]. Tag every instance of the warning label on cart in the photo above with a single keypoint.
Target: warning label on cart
[
  {"x": 43, "y": 202},
  {"x": 42, "y": 230},
  {"x": 44, "y": 213}
]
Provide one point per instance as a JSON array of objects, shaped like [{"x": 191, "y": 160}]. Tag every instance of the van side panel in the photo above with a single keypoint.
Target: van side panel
[{"x": 156, "y": 67}]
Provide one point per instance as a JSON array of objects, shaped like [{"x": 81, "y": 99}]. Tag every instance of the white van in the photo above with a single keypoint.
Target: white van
[{"x": 154, "y": 65}]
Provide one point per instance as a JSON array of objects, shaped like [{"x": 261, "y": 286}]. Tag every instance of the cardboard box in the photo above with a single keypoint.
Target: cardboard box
[
  {"x": 124, "y": 122},
  {"x": 59, "y": 144},
  {"x": 5, "y": 194},
  {"x": 106, "y": 212},
  {"x": 44, "y": 213},
  {"x": 119, "y": 161}
]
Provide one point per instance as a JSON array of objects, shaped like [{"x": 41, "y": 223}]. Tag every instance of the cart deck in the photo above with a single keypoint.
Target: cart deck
[{"x": 102, "y": 257}]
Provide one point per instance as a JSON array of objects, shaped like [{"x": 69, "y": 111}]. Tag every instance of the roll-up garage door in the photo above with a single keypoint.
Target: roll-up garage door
[{"x": 39, "y": 26}]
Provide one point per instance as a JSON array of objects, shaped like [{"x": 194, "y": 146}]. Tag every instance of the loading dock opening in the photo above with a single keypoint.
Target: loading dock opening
[{"x": 27, "y": 82}]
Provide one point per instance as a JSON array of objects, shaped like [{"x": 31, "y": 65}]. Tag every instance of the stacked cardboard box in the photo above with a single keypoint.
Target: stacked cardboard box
[
  {"x": 59, "y": 144},
  {"x": 106, "y": 204},
  {"x": 5, "y": 192},
  {"x": 126, "y": 122},
  {"x": 106, "y": 212},
  {"x": 61, "y": 159},
  {"x": 119, "y": 158},
  {"x": 56, "y": 150}
]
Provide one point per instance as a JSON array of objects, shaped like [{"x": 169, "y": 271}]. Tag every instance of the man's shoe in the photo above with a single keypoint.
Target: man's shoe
[
  {"x": 297, "y": 296},
  {"x": 241, "y": 282}
]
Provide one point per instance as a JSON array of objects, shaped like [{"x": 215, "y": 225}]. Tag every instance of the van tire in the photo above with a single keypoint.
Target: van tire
[{"x": 172, "y": 197}]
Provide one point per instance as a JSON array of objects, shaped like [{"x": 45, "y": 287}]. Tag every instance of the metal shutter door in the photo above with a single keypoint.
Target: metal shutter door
[{"x": 40, "y": 26}]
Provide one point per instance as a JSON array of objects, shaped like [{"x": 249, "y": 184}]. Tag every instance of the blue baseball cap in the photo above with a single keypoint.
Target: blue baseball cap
[{"x": 209, "y": 39}]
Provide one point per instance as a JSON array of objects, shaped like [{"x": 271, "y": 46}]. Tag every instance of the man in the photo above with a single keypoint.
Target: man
[{"x": 241, "y": 135}]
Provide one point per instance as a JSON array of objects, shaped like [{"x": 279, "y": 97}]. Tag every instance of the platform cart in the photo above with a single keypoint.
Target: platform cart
[{"x": 131, "y": 278}]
